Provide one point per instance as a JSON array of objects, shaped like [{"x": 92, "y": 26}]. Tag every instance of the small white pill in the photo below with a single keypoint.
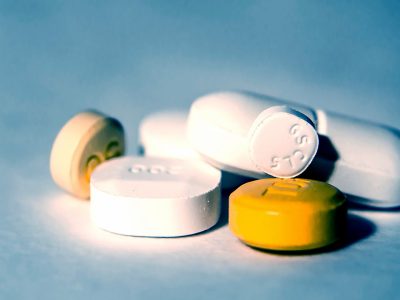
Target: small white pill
[
  {"x": 282, "y": 142},
  {"x": 158, "y": 197},
  {"x": 163, "y": 134}
]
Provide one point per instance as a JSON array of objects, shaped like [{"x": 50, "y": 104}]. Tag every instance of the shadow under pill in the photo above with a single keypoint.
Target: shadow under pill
[
  {"x": 223, "y": 218},
  {"x": 356, "y": 203},
  {"x": 358, "y": 229},
  {"x": 323, "y": 165},
  {"x": 140, "y": 150}
]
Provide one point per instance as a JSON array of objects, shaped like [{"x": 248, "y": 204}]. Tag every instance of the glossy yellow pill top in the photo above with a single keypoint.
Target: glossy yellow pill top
[
  {"x": 287, "y": 214},
  {"x": 84, "y": 142}
]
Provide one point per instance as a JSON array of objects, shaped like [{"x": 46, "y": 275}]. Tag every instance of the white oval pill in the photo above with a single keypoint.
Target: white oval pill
[
  {"x": 360, "y": 158},
  {"x": 85, "y": 141},
  {"x": 282, "y": 142},
  {"x": 158, "y": 197}
]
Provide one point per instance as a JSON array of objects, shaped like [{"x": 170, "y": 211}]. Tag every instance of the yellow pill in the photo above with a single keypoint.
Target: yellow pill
[
  {"x": 287, "y": 214},
  {"x": 85, "y": 141}
]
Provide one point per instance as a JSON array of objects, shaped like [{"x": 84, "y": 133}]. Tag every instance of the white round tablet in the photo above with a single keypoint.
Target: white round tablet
[
  {"x": 155, "y": 197},
  {"x": 282, "y": 142}
]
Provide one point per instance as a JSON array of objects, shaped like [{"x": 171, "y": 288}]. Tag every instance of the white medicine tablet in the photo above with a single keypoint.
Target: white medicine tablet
[
  {"x": 155, "y": 197},
  {"x": 252, "y": 137},
  {"x": 282, "y": 142},
  {"x": 360, "y": 158},
  {"x": 163, "y": 134}
]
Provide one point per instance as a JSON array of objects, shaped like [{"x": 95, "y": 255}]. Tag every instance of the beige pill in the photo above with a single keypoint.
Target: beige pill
[{"x": 85, "y": 141}]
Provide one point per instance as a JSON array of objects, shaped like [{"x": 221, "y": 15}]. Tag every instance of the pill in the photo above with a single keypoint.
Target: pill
[
  {"x": 282, "y": 142},
  {"x": 287, "y": 214},
  {"x": 277, "y": 140},
  {"x": 360, "y": 158},
  {"x": 163, "y": 134},
  {"x": 155, "y": 197},
  {"x": 84, "y": 142}
]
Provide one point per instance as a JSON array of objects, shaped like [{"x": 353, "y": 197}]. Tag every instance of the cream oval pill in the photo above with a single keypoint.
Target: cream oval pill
[
  {"x": 155, "y": 197},
  {"x": 84, "y": 142},
  {"x": 287, "y": 214},
  {"x": 282, "y": 142}
]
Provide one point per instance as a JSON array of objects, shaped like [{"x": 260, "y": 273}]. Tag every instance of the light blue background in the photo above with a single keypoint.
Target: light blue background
[{"x": 130, "y": 58}]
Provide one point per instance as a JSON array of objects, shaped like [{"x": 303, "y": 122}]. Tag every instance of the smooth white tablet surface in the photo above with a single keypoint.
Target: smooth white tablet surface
[
  {"x": 360, "y": 158},
  {"x": 282, "y": 142},
  {"x": 225, "y": 129},
  {"x": 159, "y": 197},
  {"x": 163, "y": 134}
]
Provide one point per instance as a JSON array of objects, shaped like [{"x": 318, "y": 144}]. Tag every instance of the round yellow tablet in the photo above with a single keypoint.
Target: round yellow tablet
[
  {"x": 287, "y": 214},
  {"x": 85, "y": 141}
]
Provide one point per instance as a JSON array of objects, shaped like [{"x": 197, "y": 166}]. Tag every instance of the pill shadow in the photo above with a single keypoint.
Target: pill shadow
[
  {"x": 231, "y": 182},
  {"x": 223, "y": 218},
  {"x": 140, "y": 150},
  {"x": 356, "y": 203},
  {"x": 358, "y": 229},
  {"x": 324, "y": 162}
]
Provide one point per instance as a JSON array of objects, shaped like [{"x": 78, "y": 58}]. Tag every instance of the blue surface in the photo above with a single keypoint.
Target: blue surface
[{"x": 131, "y": 58}]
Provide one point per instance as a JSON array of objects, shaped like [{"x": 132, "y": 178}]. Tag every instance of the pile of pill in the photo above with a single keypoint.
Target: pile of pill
[{"x": 174, "y": 188}]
